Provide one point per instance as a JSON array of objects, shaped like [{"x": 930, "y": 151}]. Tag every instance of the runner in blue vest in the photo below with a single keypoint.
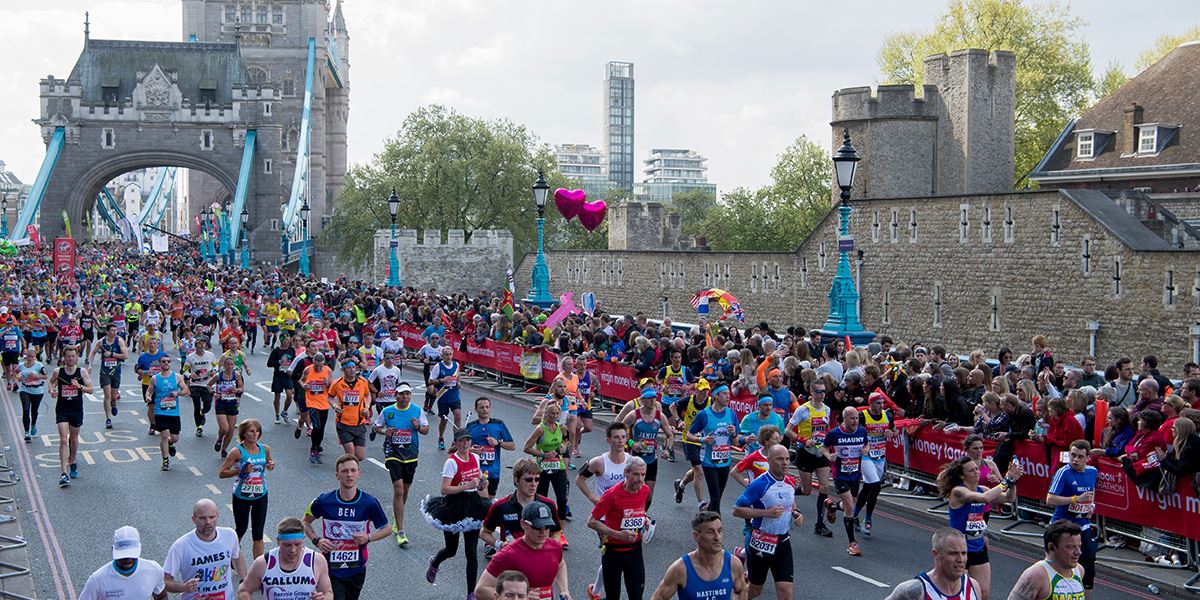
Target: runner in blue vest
[
  {"x": 706, "y": 573},
  {"x": 714, "y": 428},
  {"x": 163, "y": 392}
]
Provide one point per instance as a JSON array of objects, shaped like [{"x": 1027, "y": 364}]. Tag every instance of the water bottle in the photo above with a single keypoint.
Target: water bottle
[{"x": 1153, "y": 589}]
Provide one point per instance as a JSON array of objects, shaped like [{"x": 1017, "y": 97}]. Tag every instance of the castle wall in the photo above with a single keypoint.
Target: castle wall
[
  {"x": 936, "y": 282},
  {"x": 456, "y": 264}
]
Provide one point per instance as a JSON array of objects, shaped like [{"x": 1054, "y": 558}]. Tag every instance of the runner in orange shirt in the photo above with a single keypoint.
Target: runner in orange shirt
[{"x": 351, "y": 398}]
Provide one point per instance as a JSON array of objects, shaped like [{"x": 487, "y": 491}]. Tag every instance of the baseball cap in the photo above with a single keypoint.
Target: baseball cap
[
  {"x": 703, "y": 384},
  {"x": 127, "y": 543},
  {"x": 537, "y": 514},
  {"x": 462, "y": 434}
]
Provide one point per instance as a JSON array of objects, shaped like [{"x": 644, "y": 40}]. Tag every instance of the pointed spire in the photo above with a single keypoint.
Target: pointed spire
[
  {"x": 87, "y": 27},
  {"x": 339, "y": 20},
  {"x": 237, "y": 33}
]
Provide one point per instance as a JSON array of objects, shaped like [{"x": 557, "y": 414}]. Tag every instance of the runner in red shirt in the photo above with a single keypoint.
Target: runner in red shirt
[
  {"x": 534, "y": 555},
  {"x": 620, "y": 518},
  {"x": 756, "y": 463}
]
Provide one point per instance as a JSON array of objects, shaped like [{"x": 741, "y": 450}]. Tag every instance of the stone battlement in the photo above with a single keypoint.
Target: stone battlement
[
  {"x": 455, "y": 238},
  {"x": 884, "y": 102}
]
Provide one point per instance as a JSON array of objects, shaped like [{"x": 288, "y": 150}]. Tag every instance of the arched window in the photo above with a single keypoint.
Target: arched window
[
  {"x": 289, "y": 85},
  {"x": 258, "y": 75},
  {"x": 288, "y": 140}
]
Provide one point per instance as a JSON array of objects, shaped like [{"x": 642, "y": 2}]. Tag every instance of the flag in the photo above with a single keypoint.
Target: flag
[
  {"x": 67, "y": 222},
  {"x": 506, "y": 304}
]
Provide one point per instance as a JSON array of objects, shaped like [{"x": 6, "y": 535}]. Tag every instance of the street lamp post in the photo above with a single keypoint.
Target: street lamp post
[
  {"x": 223, "y": 227},
  {"x": 304, "y": 211},
  {"x": 539, "y": 293},
  {"x": 4, "y": 216},
  {"x": 843, "y": 320},
  {"x": 393, "y": 259},
  {"x": 205, "y": 238},
  {"x": 283, "y": 235},
  {"x": 245, "y": 240}
]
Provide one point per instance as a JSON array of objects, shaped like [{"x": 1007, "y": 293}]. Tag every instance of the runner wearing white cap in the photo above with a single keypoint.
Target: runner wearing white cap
[{"x": 128, "y": 575}]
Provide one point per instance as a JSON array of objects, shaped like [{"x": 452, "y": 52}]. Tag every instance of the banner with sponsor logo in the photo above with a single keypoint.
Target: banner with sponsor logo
[
  {"x": 1116, "y": 496},
  {"x": 64, "y": 255}
]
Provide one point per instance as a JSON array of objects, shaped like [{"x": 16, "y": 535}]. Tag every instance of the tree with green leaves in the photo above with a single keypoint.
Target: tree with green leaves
[
  {"x": 451, "y": 171},
  {"x": 777, "y": 216},
  {"x": 693, "y": 207},
  {"x": 1053, "y": 73}
]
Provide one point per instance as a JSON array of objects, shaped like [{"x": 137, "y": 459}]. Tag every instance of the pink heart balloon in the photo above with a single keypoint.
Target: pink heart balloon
[
  {"x": 569, "y": 202},
  {"x": 592, "y": 214}
]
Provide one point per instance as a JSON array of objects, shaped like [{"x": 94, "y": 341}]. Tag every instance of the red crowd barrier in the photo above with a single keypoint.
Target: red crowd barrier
[{"x": 1116, "y": 496}]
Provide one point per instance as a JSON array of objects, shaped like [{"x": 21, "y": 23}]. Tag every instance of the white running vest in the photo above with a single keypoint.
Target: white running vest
[{"x": 299, "y": 584}]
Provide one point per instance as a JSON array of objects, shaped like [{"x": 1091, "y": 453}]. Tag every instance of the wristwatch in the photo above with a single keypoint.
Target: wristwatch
[{"x": 316, "y": 540}]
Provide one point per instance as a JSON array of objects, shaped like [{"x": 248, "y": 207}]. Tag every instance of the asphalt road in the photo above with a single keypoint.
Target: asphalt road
[{"x": 70, "y": 530}]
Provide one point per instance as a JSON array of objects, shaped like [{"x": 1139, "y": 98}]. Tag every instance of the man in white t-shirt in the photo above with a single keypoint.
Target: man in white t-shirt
[
  {"x": 394, "y": 343},
  {"x": 128, "y": 575},
  {"x": 197, "y": 564},
  {"x": 199, "y": 367}
]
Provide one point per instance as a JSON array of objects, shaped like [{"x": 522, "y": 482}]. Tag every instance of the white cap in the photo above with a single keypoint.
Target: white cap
[{"x": 127, "y": 543}]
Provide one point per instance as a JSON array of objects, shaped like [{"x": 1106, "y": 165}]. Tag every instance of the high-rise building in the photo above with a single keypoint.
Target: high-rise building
[
  {"x": 618, "y": 123},
  {"x": 670, "y": 171},
  {"x": 586, "y": 165}
]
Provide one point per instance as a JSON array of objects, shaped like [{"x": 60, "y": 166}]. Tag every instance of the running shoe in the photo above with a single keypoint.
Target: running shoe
[
  {"x": 33, "y": 431},
  {"x": 648, "y": 531},
  {"x": 671, "y": 455},
  {"x": 287, "y": 418},
  {"x": 567, "y": 513},
  {"x": 703, "y": 506},
  {"x": 576, "y": 454},
  {"x": 830, "y": 510},
  {"x": 571, "y": 466},
  {"x": 114, "y": 409},
  {"x": 151, "y": 432},
  {"x": 74, "y": 470},
  {"x": 562, "y": 539},
  {"x": 431, "y": 571},
  {"x": 489, "y": 552},
  {"x": 401, "y": 539},
  {"x": 372, "y": 435},
  {"x": 64, "y": 481},
  {"x": 853, "y": 549},
  {"x": 312, "y": 458},
  {"x": 28, "y": 438},
  {"x": 296, "y": 433},
  {"x": 277, "y": 418},
  {"x": 108, "y": 423},
  {"x": 317, "y": 458},
  {"x": 678, "y": 491},
  {"x": 166, "y": 465},
  {"x": 224, "y": 453},
  {"x": 441, "y": 445},
  {"x": 866, "y": 527},
  {"x": 171, "y": 450},
  {"x": 199, "y": 431},
  {"x": 822, "y": 530},
  {"x": 591, "y": 591},
  {"x": 858, "y": 525},
  {"x": 217, "y": 448}
]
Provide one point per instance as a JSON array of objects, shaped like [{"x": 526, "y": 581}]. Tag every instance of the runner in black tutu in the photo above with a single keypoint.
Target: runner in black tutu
[{"x": 460, "y": 509}]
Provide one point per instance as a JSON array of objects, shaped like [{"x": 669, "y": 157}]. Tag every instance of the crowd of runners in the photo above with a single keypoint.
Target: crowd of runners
[{"x": 824, "y": 415}]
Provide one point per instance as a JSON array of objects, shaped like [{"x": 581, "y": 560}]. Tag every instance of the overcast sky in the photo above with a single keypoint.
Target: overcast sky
[{"x": 736, "y": 81}]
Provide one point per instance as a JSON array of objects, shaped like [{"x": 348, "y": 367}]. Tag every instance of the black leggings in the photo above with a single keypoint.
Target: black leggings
[
  {"x": 557, "y": 479},
  {"x": 201, "y": 403},
  {"x": 319, "y": 419},
  {"x": 715, "y": 479},
  {"x": 251, "y": 514},
  {"x": 629, "y": 565},
  {"x": 251, "y": 336},
  {"x": 471, "y": 539},
  {"x": 29, "y": 409},
  {"x": 868, "y": 498}
]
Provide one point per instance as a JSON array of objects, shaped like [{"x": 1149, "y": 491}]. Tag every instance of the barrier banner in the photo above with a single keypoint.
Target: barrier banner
[
  {"x": 743, "y": 404},
  {"x": 483, "y": 356},
  {"x": 531, "y": 364},
  {"x": 617, "y": 381},
  {"x": 1116, "y": 496},
  {"x": 508, "y": 358}
]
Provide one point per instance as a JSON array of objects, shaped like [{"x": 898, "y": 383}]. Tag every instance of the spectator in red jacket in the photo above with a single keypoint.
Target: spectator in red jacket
[
  {"x": 1062, "y": 428},
  {"x": 1139, "y": 461}
]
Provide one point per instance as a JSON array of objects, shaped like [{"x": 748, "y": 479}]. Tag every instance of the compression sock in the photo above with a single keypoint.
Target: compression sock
[
  {"x": 821, "y": 507},
  {"x": 849, "y": 523}
]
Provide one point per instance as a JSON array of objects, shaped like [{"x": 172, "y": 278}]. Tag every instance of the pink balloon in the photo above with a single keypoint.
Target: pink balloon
[
  {"x": 592, "y": 214},
  {"x": 569, "y": 202}
]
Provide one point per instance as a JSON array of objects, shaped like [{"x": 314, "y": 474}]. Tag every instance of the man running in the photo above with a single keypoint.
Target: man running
[
  {"x": 280, "y": 362},
  {"x": 289, "y": 570},
  {"x": 430, "y": 354},
  {"x": 444, "y": 376},
  {"x": 534, "y": 554},
  {"x": 400, "y": 424},
  {"x": 695, "y": 403},
  {"x": 620, "y": 519},
  {"x": 146, "y": 368},
  {"x": 1059, "y": 575},
  {"x": 844, "y": 447},
  {"x": 505, "y": 513},
  {"x": 769, "y": 504},
  {"x": 715, "y": 428},
  {"x": 708, "y": 572},
  {"x": 199, "y": 366},
  {"x": 163, "y": 395},
  {"x": 128, "y": 575},
  {"x": 609, "y": 472},
  {"x": 948, "y": 579},
  {"x": 806, "y": 429},
  {"x": 673, "y": 380},
  {"x": 383, "y": 381},
  {"x": 68, "y": 383},
  {"x": 488, "y": 437},
  {"x": 350, "y": 519},
  {"x": 1073, "y": 495},
  {"x": 350, "y": 397},
  {"x": 880, "y": 428},
  {"x": 198, "y": 563},
  {"x": 112, "y": 351}
]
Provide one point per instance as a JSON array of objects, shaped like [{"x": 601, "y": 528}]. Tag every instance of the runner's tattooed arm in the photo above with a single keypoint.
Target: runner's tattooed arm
[{"x": 909, "y": 590}]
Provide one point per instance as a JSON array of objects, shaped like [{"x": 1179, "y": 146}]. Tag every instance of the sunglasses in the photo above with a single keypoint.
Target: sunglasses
[
  {"x": 546, "y": 528},
  {"x": 531, "y": 479}
]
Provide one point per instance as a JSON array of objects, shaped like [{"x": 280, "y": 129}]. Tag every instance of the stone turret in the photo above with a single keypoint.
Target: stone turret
[{"x": 956, "y": 137}]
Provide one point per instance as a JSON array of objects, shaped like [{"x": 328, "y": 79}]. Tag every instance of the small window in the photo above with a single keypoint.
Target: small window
[
  {"x": 267, "y": 108},
  {"x": 1169, "y": 289},
  {"x": 1196, "y": 291},
  {"x": 247, "y": 14},
  {"x": 268, "y": 167},
  {"x": 1008, "y": 224},
  {"x": 277, "y": 15},
  {"x": 912, "y": 226},
  {"x": 289, "y": 86},
  {"x": 1116, "y": 276},
  {"x": 964, "y": 223},
  {"x": 108, "y": 138},
  {"x": 895, "y": 225},
  {"x": 206, "y": 139},
  {"x": 995, "y": 320},
  {"x": 1147, "y": 140},
  {"x": 1055, "y": 227},
  {"x": 887, "y": 306},
  {"x": 274, "y": 224},
  {"x": 804, "y": 273},
  {"x": 1086, "y": 256},
  {"x": 231, "y": 13},
  {"x": 1086, "y": 145},
  {"x": 261, "y": 15},
  {"x": 875, "y": 226},
  {"x": 821, "y": 257},
  {"x": 937, "y": 305},
  {"x": 986, "y": 224}
]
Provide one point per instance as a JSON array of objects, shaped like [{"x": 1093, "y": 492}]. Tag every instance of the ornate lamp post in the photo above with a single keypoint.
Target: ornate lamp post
[
  {"x": 205, "y": 237},
  {"x": 223, "y": 227},
  {"x": 283, "y": 236},
  {"x": 245, "y": 240},
  {"x": 393, "y": 259},
  {"x": 304, "y": 211},
  {"x": 539, "y": 293},
  {"x": 4, "y": 216},
  {"x": 843, "y": 296}
]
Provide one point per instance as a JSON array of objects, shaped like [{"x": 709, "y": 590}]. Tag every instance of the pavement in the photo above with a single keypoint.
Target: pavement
[{"x": 70, "y": 530}]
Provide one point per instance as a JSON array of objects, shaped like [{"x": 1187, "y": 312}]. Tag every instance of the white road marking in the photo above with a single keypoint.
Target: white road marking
[
  {"x": 256, "y": 398},
  {"x": 195, "y": 471},
  {"x": 143, "y": 421},
  {"x": 262, "y": 385},
  {"x": 377, "y": 462},
  {"x": 873, "y": 582},
  {"x": 214, "y": 489}
]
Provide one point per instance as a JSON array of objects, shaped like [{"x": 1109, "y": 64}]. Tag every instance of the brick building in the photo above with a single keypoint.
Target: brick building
[{"x": 948, "y": 252}]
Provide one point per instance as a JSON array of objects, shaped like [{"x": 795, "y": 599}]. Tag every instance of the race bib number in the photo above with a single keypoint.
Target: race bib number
[
  {"x": 402, "y": 437},
  {"x": 343, "y": 556},
  {"x": 1082, "y": 509},
  {"x": 487, "y": 454},
  {"x": 350, "y": 398},
  {"x": 633, "y": 522},
  {"x": 212, "y": 595},
  {"x": 450, "y": 382},
  {"x": 764, "y": 543},
  {"x": 819, "y": 425},
  {"x": 541, "y": 593},
  {"x": 29, "y": 380},
  {"x": 975, "y": 523},
  {"x": 200, "y": 373},
  {"x": 229, "y": 397},
  {"x": 648, "y": 445},
  {"x": 167, "y": 403},
  {"x": 850, "y": 464},
  {"x": 69, "y": 392},
  {"x": 316, "y": 387},
  {"x": 551, "y": 465},
  {"x": 110, "y": 363},
  {"x": 252, "y": 485},
  {"x": 720, "y": 453}
]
